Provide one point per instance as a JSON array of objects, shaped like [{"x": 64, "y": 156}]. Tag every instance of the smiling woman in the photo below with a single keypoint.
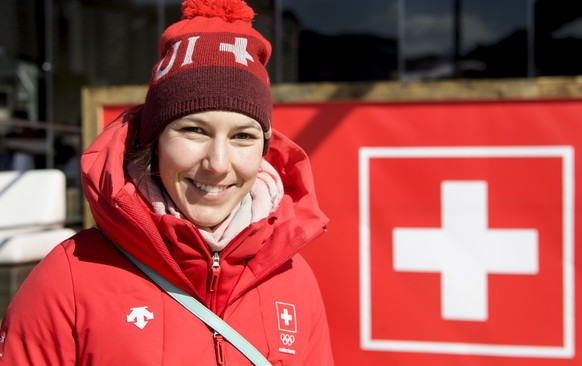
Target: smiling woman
[
  {"x": 195, "y": 186},
  {"x": 208, "y": 163}
]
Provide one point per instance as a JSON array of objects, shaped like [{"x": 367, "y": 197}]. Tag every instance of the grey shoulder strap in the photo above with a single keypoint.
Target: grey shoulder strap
[{"x": 202, "y": 312}]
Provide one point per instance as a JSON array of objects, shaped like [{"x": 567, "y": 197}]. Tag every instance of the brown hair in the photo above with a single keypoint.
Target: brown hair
[{"x": 143, "y": 157}]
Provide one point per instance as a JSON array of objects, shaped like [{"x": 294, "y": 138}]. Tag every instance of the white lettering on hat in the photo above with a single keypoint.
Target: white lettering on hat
[
  {"x": 190, "y": 50},
  {"x": 160, "y": 73},
  {"x": 239, "y": 49}
]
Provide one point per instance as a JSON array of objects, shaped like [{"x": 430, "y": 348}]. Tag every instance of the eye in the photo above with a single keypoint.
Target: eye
[
  {"x": 193, "y": 129},
  {"x": 245, "y": 136}
]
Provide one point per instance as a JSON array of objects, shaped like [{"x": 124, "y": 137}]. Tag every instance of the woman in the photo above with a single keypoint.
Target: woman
[{"x": 195, "y": 185}]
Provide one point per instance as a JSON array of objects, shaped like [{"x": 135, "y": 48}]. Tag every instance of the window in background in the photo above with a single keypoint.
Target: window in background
[
  {"x": 427, "y": 39},
  {"x": 558, "y": 40},
  {"x": 494, "y": 38},
  {"x": 21, "y": 48},
  {"x": 447, "y": 39},
  {"x": 339, "y": 40},
  {"x": 47, "y": 56},
  {"x": 100, "y": 43}
]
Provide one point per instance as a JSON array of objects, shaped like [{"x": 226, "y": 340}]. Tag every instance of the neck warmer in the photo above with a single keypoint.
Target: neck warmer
[{"x": 264, "y": 198}]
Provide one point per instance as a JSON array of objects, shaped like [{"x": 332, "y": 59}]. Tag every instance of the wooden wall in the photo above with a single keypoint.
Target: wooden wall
[{"x": 95, "y": 99}]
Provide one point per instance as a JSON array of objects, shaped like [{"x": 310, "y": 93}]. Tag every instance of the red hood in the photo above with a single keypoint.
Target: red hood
[{"x": 122, "y": 214}]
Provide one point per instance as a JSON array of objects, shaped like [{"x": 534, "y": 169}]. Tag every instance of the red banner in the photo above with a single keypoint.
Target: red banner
[
  {"x": 452, "y": 230},
  {"x": 452, "y": 235}
]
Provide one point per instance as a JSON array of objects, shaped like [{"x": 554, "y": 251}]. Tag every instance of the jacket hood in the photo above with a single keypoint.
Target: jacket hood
[{"x": 126, "y": 218}]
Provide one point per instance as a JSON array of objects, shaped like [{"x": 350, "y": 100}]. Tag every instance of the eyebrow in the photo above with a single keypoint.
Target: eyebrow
[
  {"x": 257, "y": 126},
  {"x": 253, "y": 126},
  {"x": 194, "y": 119}
]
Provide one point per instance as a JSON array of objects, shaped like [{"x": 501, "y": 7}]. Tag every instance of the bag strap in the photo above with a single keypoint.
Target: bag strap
[{"x": 202, "y": 312}]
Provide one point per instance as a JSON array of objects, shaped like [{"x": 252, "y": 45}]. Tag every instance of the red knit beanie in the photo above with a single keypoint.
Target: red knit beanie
[{"x": 212, "y": 59}]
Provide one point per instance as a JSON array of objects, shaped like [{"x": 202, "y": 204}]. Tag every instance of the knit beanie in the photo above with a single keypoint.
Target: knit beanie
[{"x": 212, "y": 59}]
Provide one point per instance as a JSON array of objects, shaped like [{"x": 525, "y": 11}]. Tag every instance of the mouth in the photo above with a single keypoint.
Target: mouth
[{"x": 209, "y": 188}]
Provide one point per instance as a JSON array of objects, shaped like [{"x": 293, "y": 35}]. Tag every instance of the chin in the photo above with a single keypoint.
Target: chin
[{"x": 210, "y": 224}]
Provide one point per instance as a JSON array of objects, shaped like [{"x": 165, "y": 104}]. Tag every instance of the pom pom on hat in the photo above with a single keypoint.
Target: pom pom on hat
[
  {"x": 228, "y": 10},
  {"x": 212, "y": 59}
]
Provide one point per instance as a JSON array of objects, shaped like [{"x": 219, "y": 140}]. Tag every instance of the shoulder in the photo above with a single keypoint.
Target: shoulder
[
  {"x": 293, "y": 280},
  {"x": 302, "y": 269},
  {"x": 44, "y": 312},
  {"x": 84, "y": 240},
  {"x": 54, "y": 270},
  {"x": 54, "y": 277},
  {"x": 88, "y": 246},
  {"x": 47, "y": 292}
]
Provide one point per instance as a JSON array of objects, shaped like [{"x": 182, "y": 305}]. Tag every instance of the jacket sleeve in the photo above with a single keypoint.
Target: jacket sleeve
[
  {"x": 319, "y": 351},
  {"x": 38, "y": 328}
]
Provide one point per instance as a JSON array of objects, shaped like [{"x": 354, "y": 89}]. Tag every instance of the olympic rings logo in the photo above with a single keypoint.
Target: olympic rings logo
[{"x": 287, "y": 339}]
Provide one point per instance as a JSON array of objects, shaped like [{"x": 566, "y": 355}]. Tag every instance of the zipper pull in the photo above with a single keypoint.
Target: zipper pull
[
  {"x": 215, "y": 271},
  {"x": 219, "y": 348}
]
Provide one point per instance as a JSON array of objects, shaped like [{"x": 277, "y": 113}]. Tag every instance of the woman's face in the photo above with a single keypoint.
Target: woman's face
[{"x": 208, "y": 162}]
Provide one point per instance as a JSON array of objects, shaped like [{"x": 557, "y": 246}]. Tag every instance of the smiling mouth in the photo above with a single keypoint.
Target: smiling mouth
[{"x": 208, "y": 188}]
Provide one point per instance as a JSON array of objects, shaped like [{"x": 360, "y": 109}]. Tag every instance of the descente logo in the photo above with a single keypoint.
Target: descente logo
[{"x": 140, "y": 316}]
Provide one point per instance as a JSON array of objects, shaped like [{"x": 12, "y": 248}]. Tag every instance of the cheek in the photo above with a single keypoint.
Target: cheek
[
  {"x": 167, "y": 173},
  {"x": 249, "y": 165},
  {"x": 173, "y": 158}
]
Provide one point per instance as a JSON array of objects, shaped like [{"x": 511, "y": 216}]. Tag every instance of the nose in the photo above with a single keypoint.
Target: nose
[{"x": 217, "y": 158}]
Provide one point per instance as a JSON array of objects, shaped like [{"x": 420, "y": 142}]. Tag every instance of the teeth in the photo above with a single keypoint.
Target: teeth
[{"x": 210, "y": 189}]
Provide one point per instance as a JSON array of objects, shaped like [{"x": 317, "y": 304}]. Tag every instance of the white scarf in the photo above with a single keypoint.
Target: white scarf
[{"x": 262, "y": 200}]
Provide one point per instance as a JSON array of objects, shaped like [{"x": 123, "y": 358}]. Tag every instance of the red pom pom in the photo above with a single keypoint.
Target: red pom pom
[{"x": 228, "y": 10}]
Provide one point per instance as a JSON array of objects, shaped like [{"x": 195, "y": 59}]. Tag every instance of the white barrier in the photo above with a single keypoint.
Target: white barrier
[{"x": 32, "y": 214}]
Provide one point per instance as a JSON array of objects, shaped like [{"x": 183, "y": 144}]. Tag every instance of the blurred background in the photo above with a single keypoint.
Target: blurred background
[{"x": 50, "y": 50}]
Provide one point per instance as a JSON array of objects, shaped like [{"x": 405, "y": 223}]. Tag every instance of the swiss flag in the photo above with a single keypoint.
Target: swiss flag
[
  {"x": 287, "y": 317},
  {"x": 470, "y": 249}
]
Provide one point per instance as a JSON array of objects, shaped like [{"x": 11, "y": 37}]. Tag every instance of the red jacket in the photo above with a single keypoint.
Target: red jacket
[{"x": 86, "y": 304}]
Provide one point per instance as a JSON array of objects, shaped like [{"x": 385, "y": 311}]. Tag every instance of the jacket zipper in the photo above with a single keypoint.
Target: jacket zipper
[
  {"x": 215, "y": 272},
  {"x": 218, "y": 339},
  {"x": 219, "y": 349}
]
